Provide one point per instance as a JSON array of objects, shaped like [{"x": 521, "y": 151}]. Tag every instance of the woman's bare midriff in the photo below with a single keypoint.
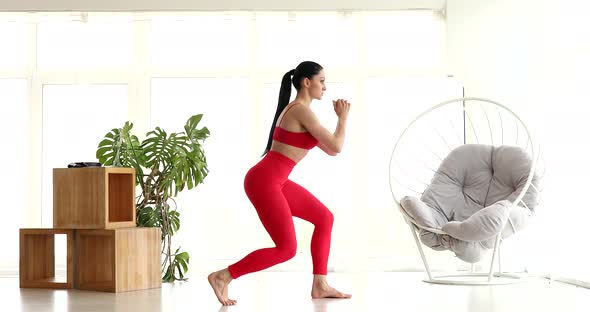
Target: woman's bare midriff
[{"x": 294, "y": 153}]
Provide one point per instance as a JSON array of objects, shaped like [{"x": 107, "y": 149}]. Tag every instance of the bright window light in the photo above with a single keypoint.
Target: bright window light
[
  {"x": 227, "y": 113},
  {"x": 75, "y": 119},
  {"x": 286, "y": 39},
  {"x": 85, "y": 42},
  {"x": 14, "y": 124},
  {"x": 406, "y": 40},
  {"x": 392, "y": 104},
  {"x": 209, "y": 41},
  {"x": 15, "y": 47}
]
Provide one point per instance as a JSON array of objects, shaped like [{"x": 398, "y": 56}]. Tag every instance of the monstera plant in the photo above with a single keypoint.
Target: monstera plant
[{"x": 165, "y": 164}]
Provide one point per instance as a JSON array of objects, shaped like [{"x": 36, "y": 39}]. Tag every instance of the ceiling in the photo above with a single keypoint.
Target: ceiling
[{"x": 216, "y": 5}]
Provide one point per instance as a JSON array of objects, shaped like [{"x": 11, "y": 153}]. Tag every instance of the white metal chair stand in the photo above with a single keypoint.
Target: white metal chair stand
[
  {"x": 424, "y": 144},
  {"x": 471, "y": 278}
]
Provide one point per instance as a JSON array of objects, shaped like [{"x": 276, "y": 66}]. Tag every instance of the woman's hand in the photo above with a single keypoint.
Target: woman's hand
[{"x": 341, "y": 108}]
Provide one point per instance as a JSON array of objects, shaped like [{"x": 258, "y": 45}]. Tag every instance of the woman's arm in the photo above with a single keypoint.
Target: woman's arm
[
  {"x": 329, "y": 142},
  {"x": 326, "y": 150}
]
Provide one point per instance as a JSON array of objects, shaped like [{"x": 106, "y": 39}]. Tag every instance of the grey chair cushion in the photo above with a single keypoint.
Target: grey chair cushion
[
  {"x": 470, "y": 198},
  {"x": 423, "y": 214},
  {"x": 482, "y": 225}
]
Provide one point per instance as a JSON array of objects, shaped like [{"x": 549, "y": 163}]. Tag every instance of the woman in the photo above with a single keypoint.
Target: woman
[{"x": 295, "y": 130}]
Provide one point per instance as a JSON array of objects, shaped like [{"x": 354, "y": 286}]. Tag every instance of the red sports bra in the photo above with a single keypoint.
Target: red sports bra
[{"x": 298, "y": 139}]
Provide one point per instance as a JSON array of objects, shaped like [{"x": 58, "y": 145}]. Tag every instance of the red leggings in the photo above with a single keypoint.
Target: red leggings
[{"x": 277, "y": 200}]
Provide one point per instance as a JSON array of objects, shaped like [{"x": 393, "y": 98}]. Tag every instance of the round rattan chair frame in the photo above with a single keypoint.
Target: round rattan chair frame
[{"x": 491, "y": 109}]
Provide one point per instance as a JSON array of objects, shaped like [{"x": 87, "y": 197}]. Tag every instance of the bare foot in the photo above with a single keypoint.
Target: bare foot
[
  {"x": 321, "y": 289},
  {"x": 219, "y": 281}
]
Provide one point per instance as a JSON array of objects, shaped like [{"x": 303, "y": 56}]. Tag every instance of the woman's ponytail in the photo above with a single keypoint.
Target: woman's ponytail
[{"x": 284, "y": 97}]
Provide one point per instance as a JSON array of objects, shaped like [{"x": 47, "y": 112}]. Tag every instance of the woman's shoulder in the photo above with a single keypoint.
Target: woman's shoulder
[
  {"x": 294, "y": 109},
  {"x": 296, "y": 103},
  {"x": 299, "y": 106},
  {"x": 303, "y": 113},
  {"x": 299, "y": 112}
]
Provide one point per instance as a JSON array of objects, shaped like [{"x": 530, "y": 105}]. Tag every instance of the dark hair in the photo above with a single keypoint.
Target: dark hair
[{"x": 306, "y": 69}]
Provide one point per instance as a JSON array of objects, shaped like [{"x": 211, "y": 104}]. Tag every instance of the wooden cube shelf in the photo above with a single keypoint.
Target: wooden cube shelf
[
  {"x": 117, "y": 260},
  {"x": 37, "y": 259},
  {"x": 93, "y": 198}
]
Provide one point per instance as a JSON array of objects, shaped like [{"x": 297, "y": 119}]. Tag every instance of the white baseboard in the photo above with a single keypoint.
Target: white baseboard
[{"x": 568, "y": 280}]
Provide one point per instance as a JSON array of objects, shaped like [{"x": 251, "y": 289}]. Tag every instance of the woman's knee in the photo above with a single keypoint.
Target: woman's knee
[
  {"x": 327, "y": 218},
  {"x": 287, "y": 252}
]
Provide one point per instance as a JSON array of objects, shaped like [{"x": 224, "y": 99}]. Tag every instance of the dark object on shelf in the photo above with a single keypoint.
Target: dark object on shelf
[{"x": 84, "y": 164}]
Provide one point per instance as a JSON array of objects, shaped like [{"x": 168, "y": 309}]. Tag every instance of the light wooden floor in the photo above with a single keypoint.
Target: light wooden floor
[{"x": 282, "y": 291}]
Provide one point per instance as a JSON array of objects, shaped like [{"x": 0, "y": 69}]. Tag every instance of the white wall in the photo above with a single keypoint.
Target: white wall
[
  {"x": 181, "y": 5},
  {"x": 534, "y": 57}
]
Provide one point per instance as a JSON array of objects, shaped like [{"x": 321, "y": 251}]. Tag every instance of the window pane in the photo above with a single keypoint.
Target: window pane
[
  {"x": 406, "y": 99},
  {"x": 15, "y": 47},
  {"x": 75, "y": 119},
  {"x": 405, "y": 40},
  {"x": 225, "y": 105},
  {"x": 205, "y": 41},
  {"x": 330, "y": 39},
  {"x": 95, "y": 42},
  {"x": 393, "y": 102},
  {"x": 14, "y": 113}
]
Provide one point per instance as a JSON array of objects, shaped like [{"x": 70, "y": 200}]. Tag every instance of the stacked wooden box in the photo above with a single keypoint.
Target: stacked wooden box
[{"x": 95, "y": 209}]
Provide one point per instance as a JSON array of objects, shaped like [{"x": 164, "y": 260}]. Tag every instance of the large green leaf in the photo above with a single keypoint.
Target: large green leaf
[
  {"x": 160, "y": 149},
  {"x": 177, "y": 269},
  {"x": 174, "y": 221},
  {"x": 148, "y": 217},
  {"x": 120, "y": 148},
  {"x": 191, "y": 130},
  {"x": 196, "y": 161},
  {"x": 181, "y": 262},
  {"x": 179, "y": 155}
]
